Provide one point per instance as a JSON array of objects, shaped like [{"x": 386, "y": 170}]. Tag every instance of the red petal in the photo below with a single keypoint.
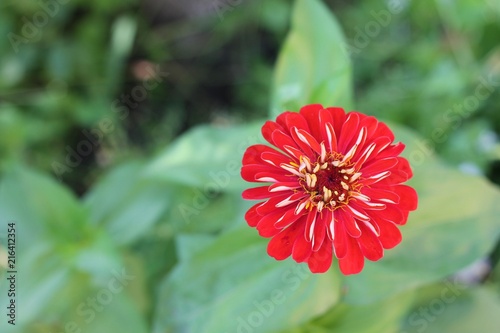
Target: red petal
[
  {"x": 305, "y": 140},
  {"x": 392, "y": 150},
  {"x": 349, "y": 133},
  {"x": 409, "y": 197},
  {"x": 274, "y": 215},
  {"x": 391, "y": 213},
  {"x": 399, "y": 174},
  {"x": 284, "y": 186},
  {"x": 266, "y": 225},
  {"x": 384, "y": 130},
  {"x": 249, "y": 171},
  {"x": 367, "y": 205},
  {"x": 304, "y": 147},
  {"x": 378, "y": 194},
  {"x": 293, "y": 119},
  {"x": 372, "y": 225},
  {"x": 371, "y": 124},
  {"x": 287, "y": 219},
  {"x": 281, "y": 139},
  {"x": 280, "y": 246},
  {"x": 369, "y": 244},
  {"x": 381, "y": 143},
  {"x": 349, "y": 222},
  {"x": 390, "y": 236},
  {"x": 339, "y": 116},
  {"x": 311, "y": 114},
  {"x": 274, "y": 158},
  {"x": 331, "y": 137},
  {"x": 354, "y": 261},
  {"x": 252, "y": 217},
  {"x": 256, "y": 193},
  {"x": 363, "y": 154},
  {"x": 340, "y": 240},
  {"x": 319, "y": 233},
  {"x": 267, "y": 230},
  {"x": 405, "y": 214},
  {"x": 325, "y": 117},
  {"x": 396, "y": 177},
  {"x": 293, "y": 152},
  {"x": 309, "y": 229},
  {"x": 378, "y": 166},
  {"x": 404, "y": 166},
  {"x": 357, "y": 211},
  {"x": 253, "y": 155},
  {"x": 270, "y": 205},
  {"x": 275, "y": 177},
  {"x": 301, "y": 248},
  {"x": 320, "y": 261},
  {"x": 268, "y": 129},
  {"x": 329, "y": 220}
]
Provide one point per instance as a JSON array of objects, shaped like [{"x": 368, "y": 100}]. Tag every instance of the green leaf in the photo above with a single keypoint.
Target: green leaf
[
  {"x": 447, "y": 309},
  {"x": 233, "y": 285},
  {"x": 206, "y": 157},
  {"x": 123, "y": 35},
  {"x": 120, "y": 315},
  {"x": 189, "y": 245},
  {"x": 473, "y": 144},
  {"x": 55, "y": 247},
  {"x": 41, "y": 207},
  {"x": 454, "y": 225},
  {"x": 466, "y": 15},
  {"x": 378, "y": 317},
  {"x": 127, "y": 204},
  {"x": 198, "y": 211},
  {"x": 13, "y": 129},
  {"x": 313, "y": 65},
  {"x": 60, "y": 258}
]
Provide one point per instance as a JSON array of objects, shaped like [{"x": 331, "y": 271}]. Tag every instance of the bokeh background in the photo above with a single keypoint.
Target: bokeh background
[{"x": 123, "y": 124}]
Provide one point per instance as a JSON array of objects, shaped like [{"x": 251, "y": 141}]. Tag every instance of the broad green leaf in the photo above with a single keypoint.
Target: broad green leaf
[
  {"x": 189, "y": 245},
  {"x": 473, "y": 144},
  {"x": 495, "y": 262},
  {"x": 120, "y": 315},
  {"x": 52, "y": 283},
  {"x": 41, "y": 208},
  {"x": 495, "y": 276},
  {"x": 466, "y": 15},
  {"x": 198, "y": 211},
  {"x": 454, "y": 225},
  {"x": 383, "y": 316},
  {"x": 206, "y": 157},
  {"x": 126, "y": 204},
  {"x": 233, "y": 285},
  {"x": 378, "y": 317},
  {"x": 59, "y": 256},
  {"x": 94, "y": 309},
  {"x": 444, "y": 308},
  {"x": 61, "y": 259},
  {"x": 313, "y": 65},
  {"x": 13, "y": 129}
]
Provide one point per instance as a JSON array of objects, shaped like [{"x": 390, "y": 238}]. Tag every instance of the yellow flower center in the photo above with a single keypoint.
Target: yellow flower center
[{"x": 330, "y": 182}]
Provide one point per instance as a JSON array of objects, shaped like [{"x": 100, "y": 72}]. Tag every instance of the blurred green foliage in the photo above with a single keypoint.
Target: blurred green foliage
[{"x": 122, "y": 128}]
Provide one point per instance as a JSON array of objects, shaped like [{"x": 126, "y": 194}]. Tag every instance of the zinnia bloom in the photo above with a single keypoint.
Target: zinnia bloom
[{"x": 336, "y": 188}]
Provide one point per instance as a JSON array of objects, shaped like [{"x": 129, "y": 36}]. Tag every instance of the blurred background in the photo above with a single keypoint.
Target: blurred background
[{"x": 123, "y": 123}]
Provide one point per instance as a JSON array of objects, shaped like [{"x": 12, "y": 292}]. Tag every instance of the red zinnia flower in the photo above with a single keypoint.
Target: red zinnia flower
[{"x": 336, "y": 188}]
